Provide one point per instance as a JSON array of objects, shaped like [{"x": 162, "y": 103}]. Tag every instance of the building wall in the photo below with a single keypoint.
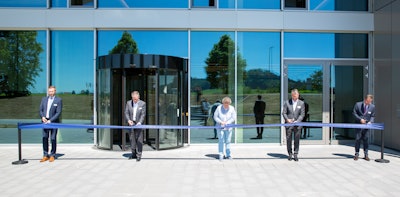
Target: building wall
[{"x": 387, "y": 69}]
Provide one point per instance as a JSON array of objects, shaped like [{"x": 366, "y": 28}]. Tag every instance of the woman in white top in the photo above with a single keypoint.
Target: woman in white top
[{"x": 224, "y": 115}]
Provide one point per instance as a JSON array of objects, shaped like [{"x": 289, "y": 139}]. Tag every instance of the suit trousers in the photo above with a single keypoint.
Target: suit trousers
[
  {"x": 45, "y": 140},
  {"x": 260, "y": 120},
  {"x": 136, "y": 138},
  {"x": 362, "y": 135},
  {"x": 297, "y": 132}
]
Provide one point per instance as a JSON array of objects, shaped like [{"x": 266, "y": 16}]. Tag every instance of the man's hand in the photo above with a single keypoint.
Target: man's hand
[
  {"x": 130, "y": 122},
  {"x": 363, "y": 121}
]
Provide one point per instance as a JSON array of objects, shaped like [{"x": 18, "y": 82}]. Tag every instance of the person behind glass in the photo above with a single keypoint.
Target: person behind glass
[
  {"x": 212, "y": 112},
  {"x": 364, "y": 113},
  {"x": 205, "y": 106},
  {"x": 259, "y": 113},
  {"x": 293, "y": 112},
  {"x": 224, "y": 115},
  {"x": 50, "y": 112},
  {"x": 135, "y": 113}
]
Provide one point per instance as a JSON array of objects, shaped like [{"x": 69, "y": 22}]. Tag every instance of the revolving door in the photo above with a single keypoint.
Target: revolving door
[{"x": 162, "y": 84}]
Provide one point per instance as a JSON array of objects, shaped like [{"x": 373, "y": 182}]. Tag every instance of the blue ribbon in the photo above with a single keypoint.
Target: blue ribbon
[{"x": 377, "y": 126}]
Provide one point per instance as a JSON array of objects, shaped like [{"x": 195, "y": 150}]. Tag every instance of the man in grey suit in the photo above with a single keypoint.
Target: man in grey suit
[
  {"x": 135, "y": 114},
  {"x": 50, "y": 112},
  {"x": 364, "y": 113},
  {"x": 293, "y": 112}
]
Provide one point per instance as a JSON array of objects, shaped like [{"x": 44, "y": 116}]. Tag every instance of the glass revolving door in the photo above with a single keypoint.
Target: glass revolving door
[{"x": 160, "y": 81}]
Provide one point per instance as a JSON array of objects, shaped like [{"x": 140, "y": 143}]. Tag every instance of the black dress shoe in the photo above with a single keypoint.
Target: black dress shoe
[
  {"x": 355, "y": 157},
  {"x": 138, "y": 159},
  {"x": 290, "y": 157},
  {"x": 295, "y": 158}
]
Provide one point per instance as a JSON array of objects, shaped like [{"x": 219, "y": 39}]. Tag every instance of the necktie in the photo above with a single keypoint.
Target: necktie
[{"x": 365, "y": 109}]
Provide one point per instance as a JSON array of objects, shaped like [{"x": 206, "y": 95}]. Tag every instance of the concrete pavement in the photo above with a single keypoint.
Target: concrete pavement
[{"x": 256, "y": 170}]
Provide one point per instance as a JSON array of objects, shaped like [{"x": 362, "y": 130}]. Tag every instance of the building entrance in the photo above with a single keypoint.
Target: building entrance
[{"x": 162, "y": 84}]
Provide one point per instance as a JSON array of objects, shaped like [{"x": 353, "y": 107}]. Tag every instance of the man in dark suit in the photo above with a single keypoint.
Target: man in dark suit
[
  {"x": 135, "y": 114},
  {"x": 50, "y": 112},
  {"x": 364, "y": 113},
  {"x": 293, "y": 112},
  {"x": 259, "y": 113}
]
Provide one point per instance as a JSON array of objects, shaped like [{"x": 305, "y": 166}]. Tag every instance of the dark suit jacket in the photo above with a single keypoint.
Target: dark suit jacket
[
  {"x": 297, "y": 115},
  {"x": 140, "y": 112},
  {"x": 259, "y": 109},
  {"x": 55, "y": 109},
  {"x": 358, "y": 112}
]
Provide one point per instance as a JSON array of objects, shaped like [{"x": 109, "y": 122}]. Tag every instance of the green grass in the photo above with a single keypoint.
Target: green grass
[{"x": 75, "y": 106}]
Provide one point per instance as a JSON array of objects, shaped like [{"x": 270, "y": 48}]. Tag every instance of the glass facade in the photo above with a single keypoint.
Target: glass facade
[
  {"x": 143, "y": 4},
  {"x": 312, "y": 5},
  {"x": 24, "y": 3},
  {"x": 72, "y": 58},
  {"x": 239, "y": 63},
  {"x": 258, "y": 73},
  {"x": 212, "y": 77},
  {"x": 22, "y": 80}
]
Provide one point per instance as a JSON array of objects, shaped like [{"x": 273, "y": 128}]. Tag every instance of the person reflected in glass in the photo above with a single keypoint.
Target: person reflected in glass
[
  {"x": 212, "y": 112},
  {"x": 293, "y": 112},
  {"x": 135, "y": 114},
  {"x": 50, "y": 112},
  {"x": 224, "y": 115},
  {"x": 306, "y": 117},
  {"x": 205, "y": 106},
  {"x": 364, "y": 113},
  {"x": 259, "y": 113}
]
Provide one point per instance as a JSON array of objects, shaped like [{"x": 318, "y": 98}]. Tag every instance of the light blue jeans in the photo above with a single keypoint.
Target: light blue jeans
[{"x": 224, "y": 138}]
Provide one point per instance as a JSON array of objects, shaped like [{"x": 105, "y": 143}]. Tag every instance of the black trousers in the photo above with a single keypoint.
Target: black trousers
[
  {"x": 297, "y": 132},
  {"x": 260, "y": 120},
  {"x": 136, "y": 138}
]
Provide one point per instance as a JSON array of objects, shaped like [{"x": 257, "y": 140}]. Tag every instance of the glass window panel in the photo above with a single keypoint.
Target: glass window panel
[
  {"x": 103, "y": 107},
  {"x": 226, "y": 4},
  {"x": 82, "y": 3},
  {"x": 310, "y": 45},
  {"x": 168, "y": 83},
  {"x": 72, "y": 57},
  {"x": 308, "y": 79},
  {"x": 212, "y": 74},
  {"x": 259, "y": 53},
  {"x": 143, "y": 4},
  {"x": 203, "y": 3},
  {"x": 58, "y": 3},
  {"x": 325, "y": 45},
  {"x": 339, "y": 5},
  {"x": 259, "y": 4},
  {"x": 22, "y": 80},
  {"x": 23, "y": 3},
  {"x": 302, "y": 4},
  {"x": 172, "y": 43},
  {"x": 347, "y": 83},
  {"x": 322, "y": 4},
  {"x": 351, "y": 45},
  {"x": 351, "y": 5}
]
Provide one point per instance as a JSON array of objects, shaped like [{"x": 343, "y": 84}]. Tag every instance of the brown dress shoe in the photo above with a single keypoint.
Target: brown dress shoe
[
  {"x": 366, "y": 158},
  {"x": 356, "y": 158},
  {"x": 52, "y": 159},
  {"x": 44, "y": 159}
]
